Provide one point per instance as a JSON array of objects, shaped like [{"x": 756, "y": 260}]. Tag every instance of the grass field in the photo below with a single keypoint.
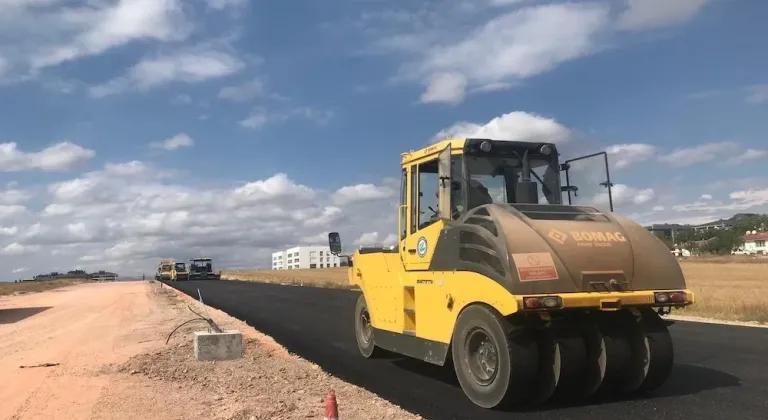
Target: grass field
[
  {"x": 728, "y": 288},
  {"x": 36, "y": 286}
]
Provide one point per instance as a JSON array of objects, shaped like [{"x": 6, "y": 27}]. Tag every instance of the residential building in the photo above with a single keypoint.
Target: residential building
[
  {"x": 754, "y": 243},
  {"x": 278, "y": 260},
  {"x": 305, "y": 257}
]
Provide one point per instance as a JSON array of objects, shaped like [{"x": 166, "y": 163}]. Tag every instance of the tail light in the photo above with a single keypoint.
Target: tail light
[
  {"x": 542, "y": 302},
  {"x": 670, "y": 297}
]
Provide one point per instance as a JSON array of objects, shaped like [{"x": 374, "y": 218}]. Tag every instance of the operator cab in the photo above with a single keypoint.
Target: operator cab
[
  {"x": 448, "y": 179},
  {"x": 483, "y": 171},
  {"x": 180, "y": 266}
]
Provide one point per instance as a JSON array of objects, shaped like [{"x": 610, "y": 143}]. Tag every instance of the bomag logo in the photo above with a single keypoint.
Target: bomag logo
[{"x": 589, "y": 239}]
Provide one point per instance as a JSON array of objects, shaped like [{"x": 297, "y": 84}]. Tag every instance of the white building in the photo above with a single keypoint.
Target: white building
[
  {"x": 304, "y": 257},
  {"x": 754, "y": 243}
]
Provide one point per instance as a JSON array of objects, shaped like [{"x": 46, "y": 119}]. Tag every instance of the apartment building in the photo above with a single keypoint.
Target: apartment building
[{"x": 305, "y": 257}]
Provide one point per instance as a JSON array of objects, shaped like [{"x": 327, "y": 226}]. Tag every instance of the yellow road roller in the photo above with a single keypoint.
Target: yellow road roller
[{"x": 499, "y": 271}]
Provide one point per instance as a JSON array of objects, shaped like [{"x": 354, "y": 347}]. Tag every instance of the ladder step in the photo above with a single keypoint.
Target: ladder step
[
  {"x": 409, "y": 332},
  {"x": 410, "y": 310}
]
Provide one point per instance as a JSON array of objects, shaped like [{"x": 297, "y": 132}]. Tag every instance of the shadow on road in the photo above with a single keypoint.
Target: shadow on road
[
  {"x": 11, "y": 315},
  {"x": 684, "y": 380}
]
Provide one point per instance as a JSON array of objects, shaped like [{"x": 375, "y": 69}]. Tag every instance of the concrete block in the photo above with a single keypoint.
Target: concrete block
[{"x": 227, "y": 345}]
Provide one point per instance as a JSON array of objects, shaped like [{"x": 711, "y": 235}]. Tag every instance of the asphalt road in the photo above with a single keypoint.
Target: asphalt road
[{"x": 721, "y": 372}]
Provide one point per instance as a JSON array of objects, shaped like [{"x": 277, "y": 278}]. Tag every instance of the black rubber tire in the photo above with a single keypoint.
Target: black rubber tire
[
  {"x": 549, "y": 370},
  {"x": 625, "y": 353},
  {"x": 516, "y": 354},
  {"x": 582, "y": 356},
  {"x": 662, "y": 353},
  {"x": 366, "y": 345}
]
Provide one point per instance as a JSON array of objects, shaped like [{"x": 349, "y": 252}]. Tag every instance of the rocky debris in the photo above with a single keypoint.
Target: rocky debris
[{"x": 266, "y": 383}]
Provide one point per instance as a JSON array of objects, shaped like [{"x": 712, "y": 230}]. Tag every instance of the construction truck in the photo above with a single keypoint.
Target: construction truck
[
  {"x": 180, "y": 272},
  {"x": 164, "y": 271},
  {"x": 201, "y": 269},
  {"x": 530, "y": 295}
]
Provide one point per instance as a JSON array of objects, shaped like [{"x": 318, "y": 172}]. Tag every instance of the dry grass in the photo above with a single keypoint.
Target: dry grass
[
  {"x": 730, "y": 291},
  {"x": 36, "y": 286},
  {"x": 728, "y": 259},
  {"x": 319, "y": 277},
  {"x": 725, "y": 289}
]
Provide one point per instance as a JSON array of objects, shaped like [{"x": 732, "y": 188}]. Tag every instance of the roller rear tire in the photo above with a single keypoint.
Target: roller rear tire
[
  {"x": 496, "y": 362},
  {"x": 660, "y": 349}
]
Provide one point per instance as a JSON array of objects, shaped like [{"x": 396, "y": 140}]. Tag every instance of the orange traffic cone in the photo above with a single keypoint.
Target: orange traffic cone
[{"x": 331, "y": 409}]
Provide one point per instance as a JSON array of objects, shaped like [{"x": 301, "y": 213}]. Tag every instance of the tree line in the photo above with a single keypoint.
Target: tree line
[{"x": 718, "y": 241}]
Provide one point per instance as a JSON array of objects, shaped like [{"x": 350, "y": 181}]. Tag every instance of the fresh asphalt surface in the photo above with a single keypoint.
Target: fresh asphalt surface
[{"x": 721, "y": 372}]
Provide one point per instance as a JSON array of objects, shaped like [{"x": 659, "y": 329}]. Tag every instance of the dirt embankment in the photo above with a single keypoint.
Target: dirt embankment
[{"x": 97, "y": 351}]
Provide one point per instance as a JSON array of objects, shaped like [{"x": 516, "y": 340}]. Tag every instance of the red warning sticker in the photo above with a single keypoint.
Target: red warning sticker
[{"x": 535, "y": 266}]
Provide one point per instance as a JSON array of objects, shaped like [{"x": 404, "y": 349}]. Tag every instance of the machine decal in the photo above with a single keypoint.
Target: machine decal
[
  {"x": 421, "y": 247},
  {"x": 557, "y": 236},
  {"x": 597, "y": 239},
  {"x": 587, "y": 239},
  {"x": 535, "y": 266}
]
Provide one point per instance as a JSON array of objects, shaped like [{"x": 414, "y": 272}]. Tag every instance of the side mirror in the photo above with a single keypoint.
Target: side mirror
[{"x": 334, "y": 242}]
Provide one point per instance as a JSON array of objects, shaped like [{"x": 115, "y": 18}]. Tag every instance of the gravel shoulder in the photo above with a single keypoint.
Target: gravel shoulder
[{"x": 110, "y": 361}]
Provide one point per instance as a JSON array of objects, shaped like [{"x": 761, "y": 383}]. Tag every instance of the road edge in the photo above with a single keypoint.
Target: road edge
[{"x": 705, "y": 320}]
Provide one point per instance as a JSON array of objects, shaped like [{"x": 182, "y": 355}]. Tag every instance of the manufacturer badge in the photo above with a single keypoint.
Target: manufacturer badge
[{"x": 421, "y": 247}]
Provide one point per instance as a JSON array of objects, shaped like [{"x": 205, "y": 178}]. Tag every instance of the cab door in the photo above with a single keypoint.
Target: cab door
[
  {"x": 430, "y": 205},
  {"x": 588, "y": 182}
]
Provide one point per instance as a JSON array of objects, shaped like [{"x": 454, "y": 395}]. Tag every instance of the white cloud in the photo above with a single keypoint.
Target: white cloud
[
  {"x": 259, "y": 116},
  {"x": 195, "y": 64},
  {"x": 758, "y": 94},
  {"x": 58, "y": 157},
  {"x": 706, "y": 152},
  {"x": 504, "y": 2},
  {"x": 623, "y": 195},
  {"x": 15, "y": 249},
  {"x": 445, "y": 87},
  {"x": 45, "y": 33},
  {"x": 181, "y": 100},
  {"x": 374, "y": 238},
  {"x": 12, "y": 196},
  {"x": 512, "y": 126},
  {"x": 648, "y": 14},
  {"x": 173, "y": 143},
  {"x": 123, "y": 218},
  {"x": 516, "y": 45},
  {"x": 624, "y": 155},
  {"x": 706, "y": 197},
  {"x": 256, "y": 119},
  {"x": 244, "y": 92},
  {"x": 223, "y": 4},
  {"x": 746, "y": 156},
  {"x": 362, "y": 193}
]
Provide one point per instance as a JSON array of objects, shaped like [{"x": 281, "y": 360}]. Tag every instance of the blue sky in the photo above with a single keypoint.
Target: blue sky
[{"x": 174, "y": 119}]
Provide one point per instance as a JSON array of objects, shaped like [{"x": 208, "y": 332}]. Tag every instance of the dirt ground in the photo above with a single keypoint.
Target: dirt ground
[
  {"x": 733, "y": 288},
  {"x": 11, "y": 288},
  {"x": 107, "y": 345}
]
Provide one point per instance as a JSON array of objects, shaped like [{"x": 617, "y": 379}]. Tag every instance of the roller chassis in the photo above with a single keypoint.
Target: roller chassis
[{"x": 528, "y": 359}]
